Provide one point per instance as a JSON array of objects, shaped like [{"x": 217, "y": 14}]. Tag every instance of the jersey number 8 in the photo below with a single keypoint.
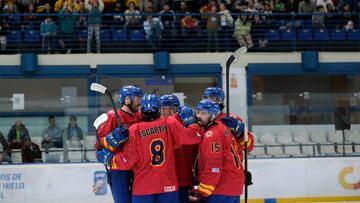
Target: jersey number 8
[{"x": 157, "y": 151}]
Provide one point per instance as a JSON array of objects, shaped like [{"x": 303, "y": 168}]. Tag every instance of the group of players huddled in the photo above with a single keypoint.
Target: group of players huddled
[{"x": 176, "y": 155}]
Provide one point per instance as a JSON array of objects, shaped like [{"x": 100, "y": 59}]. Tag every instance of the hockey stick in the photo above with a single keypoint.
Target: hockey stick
[
  {"x": 98, "y": 121},
  {"x": 96, "y": 87},
  {"x": 235, "y": 56}
]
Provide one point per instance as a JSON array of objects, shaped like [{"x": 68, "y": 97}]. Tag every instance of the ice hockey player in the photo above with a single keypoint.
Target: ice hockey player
[
  {"x": 220, "y": 172},
  {"x": 111, "y": 135},
  {"x": 233, "y": 122},
  {"x": 184, "y": 155},
  {"x": 149, "y": 152}
]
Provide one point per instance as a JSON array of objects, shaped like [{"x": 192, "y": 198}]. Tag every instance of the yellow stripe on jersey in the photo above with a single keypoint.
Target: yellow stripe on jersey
[
  {"x": 242, "y": 143},
  {"x": 209, "y": 187},
  {"x": 204, "y": 190},
  {"x": 113, "y": 163},
  {"x": 106, "y": 145}
]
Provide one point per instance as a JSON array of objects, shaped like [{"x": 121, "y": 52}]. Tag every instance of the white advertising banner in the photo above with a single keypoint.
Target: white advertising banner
[
  {"x": 273, "y": 178},
  {"x": 54, "y": 183},
  {"x": 305, "y": 177}
]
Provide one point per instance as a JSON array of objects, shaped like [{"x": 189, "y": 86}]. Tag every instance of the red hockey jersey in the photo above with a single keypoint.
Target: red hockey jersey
[
  {"x": 110, "y": 125},
  {"x": 219, "y": 167},
  {"x": 184, "y": 160},
  {"x": 149, "y": 152}
]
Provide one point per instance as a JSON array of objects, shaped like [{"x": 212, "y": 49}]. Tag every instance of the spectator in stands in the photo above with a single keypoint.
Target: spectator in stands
[
  {"x": 60, "y": 4},
  {"x": 347, "y": 15},
  {"x": 52, "y": 136},
  {"x": 349, "y": 26},
  {"x": 24, "y": 5},
  {"x": 318, "y": 18},
  {"x": 324, "y": 3},
  {"x": 226, "y": 24},
  {"x": 12, "y": 17},
  {"x": 30, "y": 152},
  {"x": 66, "y": 28},
  {"x": 137, "y": 4},
  {"x": 307, "y": 8},
  {"x": 258, "y": 30},
  {"x": 183, "y": 7},
  {"x": 150, "y": 7},
  {"x": 118, "y": 20},
  {"x": 153, "y": 28},
  {"x": 81, "y": 23},
  {"x": 331, "y": 19},
  {"x": 251, "y": 7},
  {"x": 278, "y": 7},
  {"x": 189, "y": 27},
  {"x": 212, "y": 25},
  {"x": 291, "y": 6},
  {"x": 242, "y": 31},
  {"x": 31, "y": 19},
  {"x": 239, "y": 8},
  {"x": 204, "y": 10},
  {"x": 17, "y": 133},
  {"x": 180, "y": 6},
  {"x": 167, "y": 17},
  {"x": 132, "y": 17},
  {"x": 180, "y": 13},
  {"x": 3, "y": 32},
  {"x": 5, "y": 155},
  {"x": 46, "y": 9},
  {"x": 81, "y": 26},
  {"x": 76, "y": 6},
  {"x": 48, "y": 33},
  {"x": 73, "y": 133},
  {"x": 95, "y": 7}
]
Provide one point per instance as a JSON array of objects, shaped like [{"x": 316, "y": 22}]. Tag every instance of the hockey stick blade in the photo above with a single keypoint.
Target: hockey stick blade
[
  {"x": 98, "y": 88},
  {"x": 99, "y": 120},
  {"x": 240, "y": 51}
]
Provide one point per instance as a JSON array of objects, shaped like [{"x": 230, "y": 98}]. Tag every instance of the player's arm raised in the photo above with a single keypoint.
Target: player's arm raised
[
  {"x": 188, "y": 134},
  {"x": 237, "y": 127}
]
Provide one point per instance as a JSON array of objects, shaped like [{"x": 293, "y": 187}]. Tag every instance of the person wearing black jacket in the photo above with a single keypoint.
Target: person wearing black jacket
[
  {"x": 17, "y": 135},
  {"x": 30, "y": 152}
]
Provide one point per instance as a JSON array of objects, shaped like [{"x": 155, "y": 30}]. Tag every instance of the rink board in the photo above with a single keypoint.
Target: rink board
[{"x": 275, "y": 181}]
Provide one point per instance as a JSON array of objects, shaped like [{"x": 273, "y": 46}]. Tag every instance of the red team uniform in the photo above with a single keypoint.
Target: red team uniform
[
  {"x": 149, "y": 152},
  {"x": 220, "y": 171},
  {"x": 110, "y": 125},
  {"x": 220, "y": 168},
  {"x": 184, "y": 159}
]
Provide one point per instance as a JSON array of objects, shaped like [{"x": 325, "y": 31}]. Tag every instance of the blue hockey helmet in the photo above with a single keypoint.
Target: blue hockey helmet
[
  {"x": 129, "y": 91},
  {"x": 210, "y": 106},
  {"x": 214, "y": 92},
  {"x": 165, "y": 101},
  {"x": 150, "y": 103},
  {"x": 169, "y": 100},
  {"x": 175, "y": 100}
]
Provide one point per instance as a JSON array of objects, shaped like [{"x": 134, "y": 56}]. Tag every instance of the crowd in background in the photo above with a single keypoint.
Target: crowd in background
[
  {"x": 60, "y": 20},
  {"x": 52, "y": 137}
]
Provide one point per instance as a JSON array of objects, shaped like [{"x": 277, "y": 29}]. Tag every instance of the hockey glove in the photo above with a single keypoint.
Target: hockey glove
[
  {"x": 187, "y": 116},
  {"x": 118, "y": 136},
  {"x": 236, "y": 126},
  {"x": 194, "y": 196},
  {"x": 104, "y": 156},
  {"x": 248, "y": 178}
]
